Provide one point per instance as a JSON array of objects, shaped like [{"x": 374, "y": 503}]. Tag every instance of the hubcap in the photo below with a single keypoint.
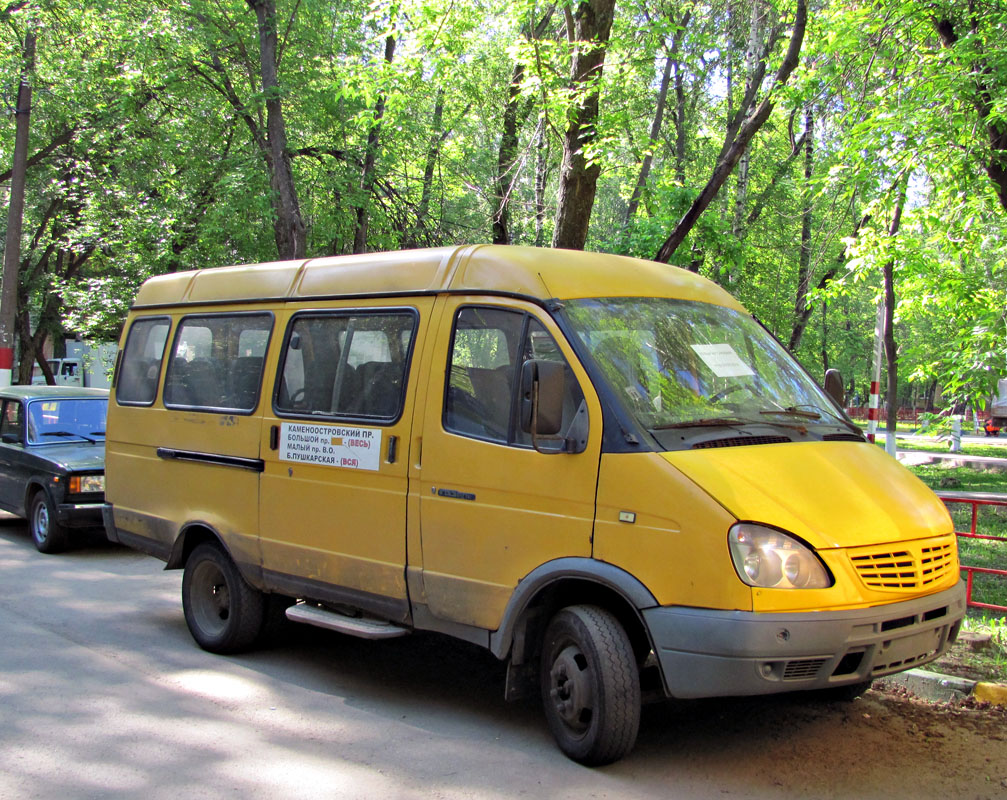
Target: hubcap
[
  {"x": 41, "y": 521},
  {"x": 572, "y": 688},
  {"x": 211, "y": 598}
]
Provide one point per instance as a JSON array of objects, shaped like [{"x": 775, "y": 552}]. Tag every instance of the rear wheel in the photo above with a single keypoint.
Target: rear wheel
[
  {"x": 47, "y": 534},
  {"x": 224, "y": 613},
  {"x": 590, "y": 685}
]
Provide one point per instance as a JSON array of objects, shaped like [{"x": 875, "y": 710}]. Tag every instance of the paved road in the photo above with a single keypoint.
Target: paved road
[{"x": 104, "y": 695}]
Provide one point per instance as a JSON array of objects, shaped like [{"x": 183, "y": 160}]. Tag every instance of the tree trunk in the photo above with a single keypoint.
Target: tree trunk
[
  {"x": 801, "y": 321},
  {"x": 579, "y": 174},
  {"x": 781, "y": 169},
  {"x": 15, "y": 213},
  {"x": 751, "y": 59},
  {"x": 670, "y": 68},
  {"x": 733, "y": 150},
  {"x": 541, "y": 179},
  {"x": 984, "y": 98},
  {"x": 825, "y": 338},
  {"x": 804, "y": 259},
  {"x": 516, "y": 111},
  {"x": 433, "y": 153},
  {"x": 891, "y": 353},
  {"x": 367, "y": 176},
  {"x": 288, "y": 227},
  {"x": 507, "y": 157},
  {"x": 679, "y": 124}
]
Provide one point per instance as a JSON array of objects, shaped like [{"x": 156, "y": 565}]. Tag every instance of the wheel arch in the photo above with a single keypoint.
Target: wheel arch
[
  {"x": 32, "y": 488},
  {"x": 565, "y": 582},
  {"x": 191, "y": 536}
]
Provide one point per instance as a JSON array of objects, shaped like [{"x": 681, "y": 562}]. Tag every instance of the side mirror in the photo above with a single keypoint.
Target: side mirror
[
  {"x": 542, "y": 387},
  {"x": 11, "y": 438},
  {"x": 834, "y": 387}
]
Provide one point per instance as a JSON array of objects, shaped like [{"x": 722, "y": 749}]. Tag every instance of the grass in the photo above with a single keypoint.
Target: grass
[
  {"x": 990, "y": 521},
  {"x": 988, "y": 663}
]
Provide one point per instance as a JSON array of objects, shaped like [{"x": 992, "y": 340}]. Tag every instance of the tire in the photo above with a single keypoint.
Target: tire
[
  {"x": 224, "y": 613},
  {"x": 47, "y": 534},
  {"x": 590, "y": 685}
]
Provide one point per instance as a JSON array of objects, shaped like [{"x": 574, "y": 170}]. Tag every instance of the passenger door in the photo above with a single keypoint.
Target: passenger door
[
  {"x": 491, "y": 507},
  {"x": 335, "y": 453}
]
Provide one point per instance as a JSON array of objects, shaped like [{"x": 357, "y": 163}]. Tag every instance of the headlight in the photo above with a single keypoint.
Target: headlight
[
  {"x": 83, "y": 484},
  {"x": 770, "y": 559}
]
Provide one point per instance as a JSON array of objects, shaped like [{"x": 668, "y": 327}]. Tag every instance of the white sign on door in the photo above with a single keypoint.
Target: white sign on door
[{"x": 332, "y": 445}]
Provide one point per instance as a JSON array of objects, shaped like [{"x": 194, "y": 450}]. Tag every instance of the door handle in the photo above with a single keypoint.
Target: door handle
[{"x": 455, "y": 495}]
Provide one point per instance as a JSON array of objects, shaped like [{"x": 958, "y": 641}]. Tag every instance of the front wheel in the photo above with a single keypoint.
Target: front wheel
[
  {"x": 590, "y": 685},
  {"x": 47, "y": 534},
  {"x": 224, "y": 613}
]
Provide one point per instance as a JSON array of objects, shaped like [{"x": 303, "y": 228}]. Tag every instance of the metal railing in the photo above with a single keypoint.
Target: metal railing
[{"x": 972, "y": 533}]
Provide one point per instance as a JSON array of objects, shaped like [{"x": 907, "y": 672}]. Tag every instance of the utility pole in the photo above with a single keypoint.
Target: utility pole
[{"x": 15, "y": 214}]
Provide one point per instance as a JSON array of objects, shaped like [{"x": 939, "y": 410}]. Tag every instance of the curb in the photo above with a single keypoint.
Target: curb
[{"x": 944, "y": 688}]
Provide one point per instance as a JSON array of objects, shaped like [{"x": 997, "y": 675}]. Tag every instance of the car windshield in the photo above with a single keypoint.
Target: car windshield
[
  {"x": 680, "y": 364},
  {"x": 66, "y": 419}
]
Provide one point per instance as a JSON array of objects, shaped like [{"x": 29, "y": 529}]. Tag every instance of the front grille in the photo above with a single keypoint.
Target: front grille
[
  {"x": 916, "y": 566},
  {"x": 740, "y": 441}
]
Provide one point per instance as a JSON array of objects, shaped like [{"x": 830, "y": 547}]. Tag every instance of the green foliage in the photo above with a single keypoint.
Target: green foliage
[{"x": 148, "y": 123}]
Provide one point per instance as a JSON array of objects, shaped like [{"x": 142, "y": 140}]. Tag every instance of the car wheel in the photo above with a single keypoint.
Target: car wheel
[
  {"x": 590, "y": 685},
  {"x": 224, "y": 613},
  {"x": 47, "y": 534}
]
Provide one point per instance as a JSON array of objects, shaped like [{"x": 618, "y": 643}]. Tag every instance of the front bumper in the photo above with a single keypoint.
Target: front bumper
[
  {"x": 80, "y": 515},
  {"x": 712, "y": 653}
]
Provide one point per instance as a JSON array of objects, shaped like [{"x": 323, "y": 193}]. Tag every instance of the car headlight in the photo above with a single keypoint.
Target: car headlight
[
  {"x": 83, "y": 484},
  {"x": 770, "y": 559}
]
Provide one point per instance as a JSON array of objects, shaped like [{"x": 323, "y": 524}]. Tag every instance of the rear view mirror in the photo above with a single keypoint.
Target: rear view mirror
[
  {"x": 542, "y": 389},
  {"x": 834, "y": 387}
]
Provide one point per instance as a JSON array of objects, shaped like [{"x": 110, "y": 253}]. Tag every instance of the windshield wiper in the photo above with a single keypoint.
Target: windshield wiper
[
  {"x": 793, "y": 411},
  {"x": 813, "y": 412},
  {"x": 706, "y": 422},
  {"x": 73, "y": 435}
]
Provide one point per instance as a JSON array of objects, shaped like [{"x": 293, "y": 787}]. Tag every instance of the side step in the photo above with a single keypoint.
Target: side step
[{"x": 334, "y": 621}]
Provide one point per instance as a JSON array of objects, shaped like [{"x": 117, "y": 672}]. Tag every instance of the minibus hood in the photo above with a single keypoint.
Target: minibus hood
[{"x": 831, "y": 494}]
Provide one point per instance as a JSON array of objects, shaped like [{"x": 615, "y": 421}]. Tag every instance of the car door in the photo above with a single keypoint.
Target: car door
[
  {"x": 491, "y": 507},
  {"x": 334, "y": 483},
  {"x": 12, "y": 455}
]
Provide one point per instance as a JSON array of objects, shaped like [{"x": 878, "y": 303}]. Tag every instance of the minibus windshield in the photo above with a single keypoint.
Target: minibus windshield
[{"x": 680, "y": 364}]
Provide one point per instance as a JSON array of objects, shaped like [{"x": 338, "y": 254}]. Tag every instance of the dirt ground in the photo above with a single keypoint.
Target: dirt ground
[{"x": 887, "y": 744}]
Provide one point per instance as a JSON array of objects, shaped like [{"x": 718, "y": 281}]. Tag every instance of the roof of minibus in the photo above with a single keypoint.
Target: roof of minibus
[{"x": 539, "y": 273}]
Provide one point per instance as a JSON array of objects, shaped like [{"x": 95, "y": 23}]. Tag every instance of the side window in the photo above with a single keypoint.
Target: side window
[
  {"x": 484, "y": 356},
  {"x": 217, "y": 362},
  {"x": 12, "y": 422},
  {"x": 140, "y": 369},
  {"x": 487, "y": 352},
  {"x": 351, "y": 365}
]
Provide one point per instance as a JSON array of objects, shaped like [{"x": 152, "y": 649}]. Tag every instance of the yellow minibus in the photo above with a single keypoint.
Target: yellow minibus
[{"x": 602, "y": 469}]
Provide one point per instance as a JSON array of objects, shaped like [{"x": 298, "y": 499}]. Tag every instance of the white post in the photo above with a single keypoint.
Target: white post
[{"x": 956, "y": 433}]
